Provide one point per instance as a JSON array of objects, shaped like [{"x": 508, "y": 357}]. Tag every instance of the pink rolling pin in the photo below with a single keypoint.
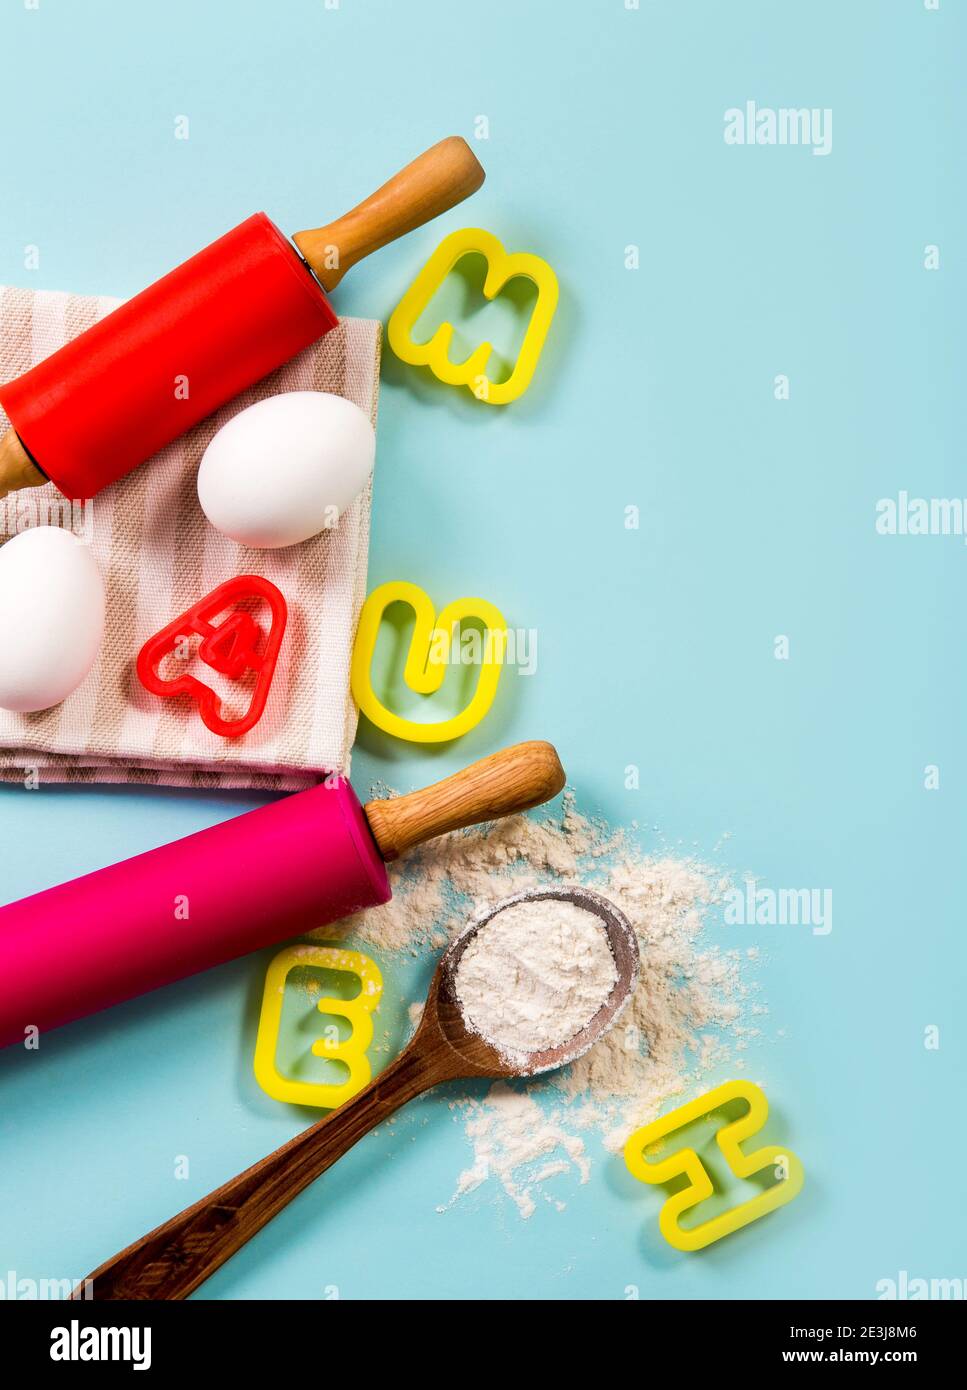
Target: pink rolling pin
[{"x": 271, "y": 874}]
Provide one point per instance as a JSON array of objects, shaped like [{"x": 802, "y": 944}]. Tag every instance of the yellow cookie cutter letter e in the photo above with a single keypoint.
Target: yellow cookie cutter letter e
[
  {"x": 501, "y": 267},
  {"x": 686, "y": 1162},
  {"x": 427, "y": 659},
  {"x": 351, "y": 1051}
]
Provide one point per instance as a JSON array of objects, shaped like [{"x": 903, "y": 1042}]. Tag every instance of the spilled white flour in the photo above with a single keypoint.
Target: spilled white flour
[
  {"x": 517, "y": 1144},
  {"x": 535, "y": 975},
  {"x": 694, "y": 1009}
]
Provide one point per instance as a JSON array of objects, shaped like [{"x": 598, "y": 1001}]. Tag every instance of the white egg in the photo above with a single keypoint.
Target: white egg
[
  {"x": 286, "y": 468},
  {"x": 51, "y": 617}
]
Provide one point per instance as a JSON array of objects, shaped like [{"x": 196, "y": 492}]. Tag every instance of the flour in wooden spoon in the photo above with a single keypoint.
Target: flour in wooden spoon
[
  {"x": 693, "y": 1014},
  {"x": 534, "y": 975}
]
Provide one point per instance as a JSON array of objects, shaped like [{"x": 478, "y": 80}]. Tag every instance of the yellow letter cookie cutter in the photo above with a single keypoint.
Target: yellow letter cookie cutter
[
  {"x": 427, "y": 659},
  {"x": 686, "y": 1163},
  {"x": 435, "y": 354},
  {"x": 350, "y": 1051}
]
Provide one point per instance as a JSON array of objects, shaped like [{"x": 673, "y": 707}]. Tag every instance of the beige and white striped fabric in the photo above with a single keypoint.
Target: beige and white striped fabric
[{"x": 158, "y": 555}]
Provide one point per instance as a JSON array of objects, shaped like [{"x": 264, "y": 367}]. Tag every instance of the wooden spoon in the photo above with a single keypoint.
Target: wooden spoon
[{"x": 174, "y": 1259}]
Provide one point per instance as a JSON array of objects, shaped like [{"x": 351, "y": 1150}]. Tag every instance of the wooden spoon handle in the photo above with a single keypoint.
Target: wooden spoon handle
[
  {"x": 435, "y": 181},
  {"x": 514, "y": 779},
  {"x": 172, "y": 1260}
]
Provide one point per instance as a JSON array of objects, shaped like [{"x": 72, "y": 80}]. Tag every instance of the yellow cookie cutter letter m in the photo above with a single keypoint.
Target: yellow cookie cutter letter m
[
  {"x": 427, "y": 659},
  {"x": 686, "y": 1163},
  {"x": 435, "y": 354},
  {"x": 350, "y": 1051}
]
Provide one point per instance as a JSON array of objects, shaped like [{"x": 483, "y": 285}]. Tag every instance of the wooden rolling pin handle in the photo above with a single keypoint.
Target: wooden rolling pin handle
[
  {"x": 512, "y": 780},
  {"x": 17, "y": 468},
  {"x": 435, "y": 181}
]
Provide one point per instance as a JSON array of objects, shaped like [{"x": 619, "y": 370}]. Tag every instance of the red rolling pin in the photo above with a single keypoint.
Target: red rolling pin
[
  {"x": 271, "y": 874},
  {"x": 165, "y": 359}
]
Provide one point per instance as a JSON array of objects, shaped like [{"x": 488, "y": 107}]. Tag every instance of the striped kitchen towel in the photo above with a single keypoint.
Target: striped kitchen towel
[{"x": 158, "y": 555}]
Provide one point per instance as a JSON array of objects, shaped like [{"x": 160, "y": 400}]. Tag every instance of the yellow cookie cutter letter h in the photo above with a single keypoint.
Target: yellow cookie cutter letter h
[
  {"x": 427, "y": 659},
  {"x": 435, "y": 354},
  {"x": 686, "y": 1163}
]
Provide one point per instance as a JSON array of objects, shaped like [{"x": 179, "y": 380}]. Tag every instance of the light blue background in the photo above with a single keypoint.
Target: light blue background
[{"x": 656, "y": 645}]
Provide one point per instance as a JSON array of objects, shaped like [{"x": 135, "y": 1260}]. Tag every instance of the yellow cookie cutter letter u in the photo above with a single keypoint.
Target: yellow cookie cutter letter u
[
  {"x": 427, "y": 659},
  {"x": 686, "y": 1163},
  {"x": 435, "y": 354}
]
